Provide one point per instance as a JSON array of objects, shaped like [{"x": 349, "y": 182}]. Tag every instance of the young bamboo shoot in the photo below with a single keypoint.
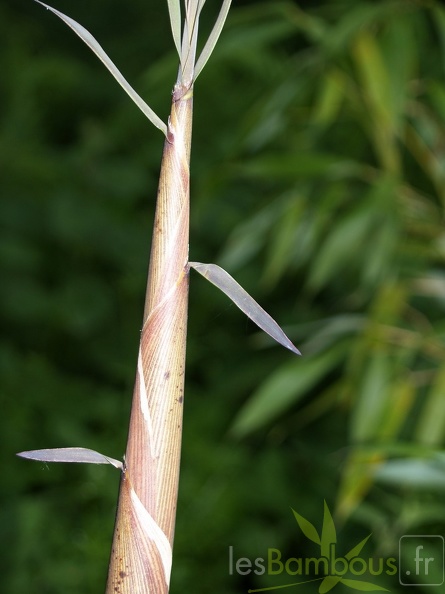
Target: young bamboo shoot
[{"x": 143, "y": 539}]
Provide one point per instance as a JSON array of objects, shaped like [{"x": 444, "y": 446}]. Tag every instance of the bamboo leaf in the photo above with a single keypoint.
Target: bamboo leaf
[
  {"x": 355, "y": 551},
  {"x": 212, "y": 39},
  {"x": 307, "y": 528},
  {"x": 285, "y": 388},
  {"x": 431, "y": 423},
  {"x": 328, "y": 532},
  {"x": 328, "y": 583},
  {"x": 103, "y": 57},
  {"x": 174, "y": 11},
  {"x": 78, "y": 455},
  {"x": 228, "y": 285},
  {"x": 362, "y": 586},
  {"x": 372, "y": 403}
]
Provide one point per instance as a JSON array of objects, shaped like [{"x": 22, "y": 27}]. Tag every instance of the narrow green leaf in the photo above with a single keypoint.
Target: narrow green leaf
[
  {"x": 332, "y": 580},
  {"x": 174, "y": 11},
  {"x": 285, "y": 388},
  {"x": 431, "y": 422},
  {"x": 328, "y": 532},
  {"x": 354, "y": 552},
  {"x": 362, "y": 586},
  {"x": 329, "y": 99},
  {"x": 103, "y": 57},
  {"x": 78, "y": 455},
  {"x": 375, "y": 79},
  {"x": 212, "y": 39},
  {"x": 307, "y": 528},
  {"x": 373, "y": 72},
  {"x": 353, "y": 229},
  {"x": 228, "y": 285},
  {"x": 372, "y": 401},
  {"x": 247, "y": 238},
  {"x": 283, "y": 243},
  {"x": 328, "y": 583}
]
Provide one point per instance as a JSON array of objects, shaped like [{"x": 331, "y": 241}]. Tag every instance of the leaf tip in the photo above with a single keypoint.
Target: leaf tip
[{"x": 293, "y": 349}]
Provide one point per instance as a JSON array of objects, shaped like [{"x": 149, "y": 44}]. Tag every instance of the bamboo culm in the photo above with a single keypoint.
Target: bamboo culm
[{"x": 144, "y": 529}]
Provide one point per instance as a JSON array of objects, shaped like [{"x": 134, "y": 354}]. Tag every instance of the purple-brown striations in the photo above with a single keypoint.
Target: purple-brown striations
[{"x": 147, "y": 501}]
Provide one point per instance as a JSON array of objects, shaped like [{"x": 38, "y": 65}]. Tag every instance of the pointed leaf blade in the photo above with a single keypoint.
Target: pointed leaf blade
[
  {"x": 174, "y": 11},
  {"x": 329, "y": 582},
  {"x": 328, "y": 532},
  {"x": 363, "y": 586},
  {"x": 354, "y": 552},
  {"x": 103, "y": 57},
  {"x": 285, "y": 388},
  {"x": 212, "y": 39},
  {"x": 77, "y": 455},
  {"x": 307, "y": 528},
  {"x": 228, "y": 285}
]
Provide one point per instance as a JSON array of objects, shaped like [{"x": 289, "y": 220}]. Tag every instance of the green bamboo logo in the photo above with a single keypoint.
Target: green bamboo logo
[
  {"x": 339, "y": 566},
  {"x": 328, "y": 568}
]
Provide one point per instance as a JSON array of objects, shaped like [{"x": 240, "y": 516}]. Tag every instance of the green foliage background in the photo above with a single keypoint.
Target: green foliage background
[{"x": 318, "y": 174}]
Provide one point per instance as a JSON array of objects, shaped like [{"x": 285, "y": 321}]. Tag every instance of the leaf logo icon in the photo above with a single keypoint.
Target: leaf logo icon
[
  {"x": 327, "y": 542},
  {"x": 329, "y": 569}
]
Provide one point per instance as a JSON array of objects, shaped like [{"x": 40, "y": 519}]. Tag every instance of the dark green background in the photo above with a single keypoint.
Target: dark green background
[{"x": 318, "y": 171}]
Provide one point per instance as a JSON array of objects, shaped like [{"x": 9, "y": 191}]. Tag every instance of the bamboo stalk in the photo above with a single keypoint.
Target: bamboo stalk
[{"x": 141, "y": 553}]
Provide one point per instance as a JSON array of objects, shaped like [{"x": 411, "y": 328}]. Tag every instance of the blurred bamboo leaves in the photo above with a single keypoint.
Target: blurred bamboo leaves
[{"x": 356, "y": 223}]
